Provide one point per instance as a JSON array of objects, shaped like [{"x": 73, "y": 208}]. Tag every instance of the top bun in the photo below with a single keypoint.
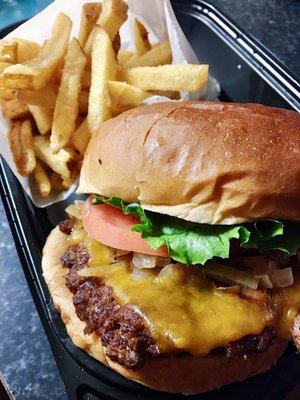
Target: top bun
[{"x": 207, "y": 162}]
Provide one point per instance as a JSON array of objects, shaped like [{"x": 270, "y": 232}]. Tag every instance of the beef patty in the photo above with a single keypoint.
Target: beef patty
[{"x": 121, "y": 328}]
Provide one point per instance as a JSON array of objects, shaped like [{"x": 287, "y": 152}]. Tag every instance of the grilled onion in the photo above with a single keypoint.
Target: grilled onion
[
  {"x": 226, "y": 274},
  {"x": 264, "y": 281},
  {"x": 75, "y": 209},
  {"x": 282, "y": 277},
  {"x": 99, "y": 270},
  {"x": 139, "y": 274},
  {"x": 143, "y": 261}
]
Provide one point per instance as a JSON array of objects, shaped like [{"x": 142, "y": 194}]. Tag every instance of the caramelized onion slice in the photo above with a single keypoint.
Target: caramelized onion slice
[
  {"x": 75, "y": 209},
  {"x": 235, "y": 289},
  {"x": 139, "y": 274},
  {"x": 230, "y": 275},
  {"x": 282, "y": 277},
  {"x": 143, "y": 260},
  {"x": 264, "y": 281},
  {"x": 99, "y": 270}
]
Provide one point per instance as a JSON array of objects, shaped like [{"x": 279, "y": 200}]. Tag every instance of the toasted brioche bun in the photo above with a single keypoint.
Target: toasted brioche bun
[
  {"x": 207, "y": 162},
  {"x": 175, "y": 374}
]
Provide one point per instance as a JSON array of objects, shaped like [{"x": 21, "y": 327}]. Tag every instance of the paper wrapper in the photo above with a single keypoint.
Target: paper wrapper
[{"x": 159, "y": 19}]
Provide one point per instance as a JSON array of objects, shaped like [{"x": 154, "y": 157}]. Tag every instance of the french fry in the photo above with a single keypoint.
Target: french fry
[
  {"x": 27, "y": 145},
  {"x": 3, "y": 65},
  {"x": 186, "y": 77},
  {"x": 89, "y": 45},
  {"x": 67, "y": 99},
  {"x": 104, "y": 68},
  {"x": 89, "y": 16},
  {"x": 26, "y": 50},
  {"x": 7, "y": 94},
  {"x": 34, "y": 74},
  {"x": 43, "y": 118},
  {"x": 45, "y": 97},
  {"x": 42, "y": 179},
  {"x": 158, "y": 55},
  {"x": 81, "y": 137},
  {"x": 124, "y": 56},
  {"x": 13, "y": 136},
  {"x": 20, "y": 140},
  {"x": 57, "y": 162},
  {"x": 112, "y": 17},
  {"x": 15, "y": 109},
  {"x": 8, "y": 52},
  {"x": 122, "y": 94},
  {"x": 141, "y": 41}
]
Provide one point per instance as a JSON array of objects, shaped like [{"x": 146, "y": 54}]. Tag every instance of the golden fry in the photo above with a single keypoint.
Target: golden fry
[
  {"x": 66, "y": 107},
  {"x": 26, "y": 49},
  {"x": 14, "y": 139},
  {"x": 186, "y": 77},
  {"x": 141, "y": 41},
  {"x": 81, "y": 137},
  {"x": 34, "y": 74},
  {"x": 89, "y": 45},
  {"x": 21, "y": 145},
  {"x": 158, "y": 55},
  {"x": 27, "y": 146},
  {"x": 8, "y": 52},
  {"x": 123, "y": 94},
  {"x": 42, "y": 179},
  {"x": 104, "y": 68},
  {"x": 3, "y": 65},
  {"x": 124, "y": 56},
  {"x": 45, "y": 97},
  {"x": 43, "y": 118},
  {"x": 89, "y": 16},
  {"x": 7, "y": 94},
  {"x": 57, "y": 162},
  {"x": 112, "y": 17},
  {"x": 14, "y": 109}
]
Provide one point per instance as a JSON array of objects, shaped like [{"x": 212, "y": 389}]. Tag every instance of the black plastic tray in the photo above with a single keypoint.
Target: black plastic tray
[{"x": 247, "y": 72}]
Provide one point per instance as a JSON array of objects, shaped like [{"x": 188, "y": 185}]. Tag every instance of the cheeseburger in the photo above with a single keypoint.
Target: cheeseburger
[{"x": 180, "y": 271}]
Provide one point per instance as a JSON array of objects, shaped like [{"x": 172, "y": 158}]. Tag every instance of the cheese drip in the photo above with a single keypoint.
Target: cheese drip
[{"x": 183, "y": 310}]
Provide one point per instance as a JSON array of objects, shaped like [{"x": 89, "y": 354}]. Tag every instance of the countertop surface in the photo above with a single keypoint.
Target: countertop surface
[{"x": 26, "y": 361}]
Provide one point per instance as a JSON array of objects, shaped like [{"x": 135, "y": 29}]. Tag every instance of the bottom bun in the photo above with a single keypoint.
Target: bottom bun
[{"x": 176, "y": 374}]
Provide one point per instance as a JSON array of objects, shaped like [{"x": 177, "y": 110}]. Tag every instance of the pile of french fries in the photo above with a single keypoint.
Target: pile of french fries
[{"x": 57, "y": 95}]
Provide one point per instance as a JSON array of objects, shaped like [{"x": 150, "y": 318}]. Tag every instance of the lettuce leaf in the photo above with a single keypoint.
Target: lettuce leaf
[{"x": 193, "y": 243}]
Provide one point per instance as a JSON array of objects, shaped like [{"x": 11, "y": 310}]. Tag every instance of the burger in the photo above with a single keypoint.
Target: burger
[{"x": 180, "y": 271}]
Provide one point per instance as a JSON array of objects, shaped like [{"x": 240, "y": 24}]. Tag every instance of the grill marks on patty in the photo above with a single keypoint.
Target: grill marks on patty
[
  {"x": 121, "y": 328},
  {"x": 66, "y": 226},
  {"x": 251, "y": 344}
]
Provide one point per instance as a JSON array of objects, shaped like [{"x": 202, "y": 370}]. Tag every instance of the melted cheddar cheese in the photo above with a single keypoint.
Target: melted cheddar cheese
[{"x": 183, "y": 310}]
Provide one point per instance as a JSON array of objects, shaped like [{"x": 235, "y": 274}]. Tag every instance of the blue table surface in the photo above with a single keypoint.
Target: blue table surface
[
  {"x": 26, "y": 361},
  {"x": 12, "y": 11}
]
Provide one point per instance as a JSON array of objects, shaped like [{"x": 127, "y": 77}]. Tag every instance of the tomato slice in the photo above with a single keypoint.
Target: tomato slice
[{"x": 111, "y": 227}]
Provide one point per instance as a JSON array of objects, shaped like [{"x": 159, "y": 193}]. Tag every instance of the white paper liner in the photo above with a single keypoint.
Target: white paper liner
[{"x": 158, "y": 17}]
